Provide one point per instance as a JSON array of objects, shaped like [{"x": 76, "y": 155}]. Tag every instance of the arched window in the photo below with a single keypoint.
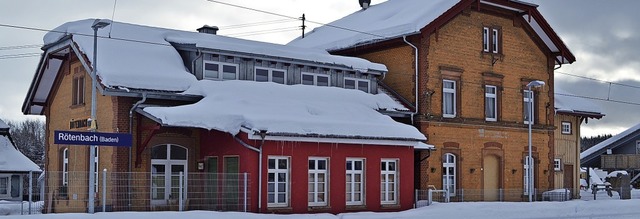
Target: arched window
[
  {"x": 449, "y": 173},
  {"x": 167, "y": 161}
]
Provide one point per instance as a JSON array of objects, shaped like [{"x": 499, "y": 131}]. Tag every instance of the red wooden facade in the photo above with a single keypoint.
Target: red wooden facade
[{"x": 220, "y": 145}]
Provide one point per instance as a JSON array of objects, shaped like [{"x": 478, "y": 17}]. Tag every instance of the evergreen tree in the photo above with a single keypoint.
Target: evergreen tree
[{"x": 588, "y": 142}]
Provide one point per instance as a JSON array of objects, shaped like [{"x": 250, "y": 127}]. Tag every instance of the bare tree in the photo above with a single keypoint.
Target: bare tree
[{"x": 28, "y": 135}]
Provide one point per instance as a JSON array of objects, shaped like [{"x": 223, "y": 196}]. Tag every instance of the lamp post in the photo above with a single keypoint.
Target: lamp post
[
  {"x": 530, "y": 120},
  {"x": 97, "y": 24}
]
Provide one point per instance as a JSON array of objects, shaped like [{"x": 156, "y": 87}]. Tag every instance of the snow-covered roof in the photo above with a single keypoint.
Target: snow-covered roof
[
  {"x": 397, "y": 18},
  {"x": 3, "y": 125},
  {"x": 298, "y": 110},
  {"x": 608, "y": 142},
  {"x": 379, "y": 22},
  {"x": 566, "y": 102},
  {"x": 142, "y": 57},
  {"x": 11, "y": 160}
]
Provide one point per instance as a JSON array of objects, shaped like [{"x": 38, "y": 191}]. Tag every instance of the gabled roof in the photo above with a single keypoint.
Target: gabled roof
[
  {"x": 11, "y": 160},
  {"x": 396, "y": 18},
  {"x": 135, "y": 57},
  {"x": 610, "y": 143},
  {"x": 568, "y": 103},
  {"x": 288, "y": 110}
]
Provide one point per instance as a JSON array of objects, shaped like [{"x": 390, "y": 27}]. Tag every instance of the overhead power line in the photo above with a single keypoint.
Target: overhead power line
[
  {"x": 21, "y": 47},
  {"x": 598, "y": 80}
]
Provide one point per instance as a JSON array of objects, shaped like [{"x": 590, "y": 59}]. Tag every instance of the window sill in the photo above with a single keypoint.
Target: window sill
[
  {"x": 280, "y": 209},
  {"x": 77, "y": 106},
  {"x": 356, "y": 207},
  {"x": 389, "y": 206},
  {"x": 319, "y": 209}
]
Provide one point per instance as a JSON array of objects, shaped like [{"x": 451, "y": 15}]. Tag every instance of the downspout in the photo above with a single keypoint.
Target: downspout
[
  {"x": 416, "y": 75},
  {"x": 193, "y": 63},
  {"x": 262, "y": 136},
  {"x": 135, "y": 106}
]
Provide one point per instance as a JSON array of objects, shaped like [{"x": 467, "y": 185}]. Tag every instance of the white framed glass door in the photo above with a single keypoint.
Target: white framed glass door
[{"x": 167, "y": 161}]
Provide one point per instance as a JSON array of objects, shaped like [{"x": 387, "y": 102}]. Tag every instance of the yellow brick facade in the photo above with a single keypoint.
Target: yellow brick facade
[{"x": 454, "y": 51}]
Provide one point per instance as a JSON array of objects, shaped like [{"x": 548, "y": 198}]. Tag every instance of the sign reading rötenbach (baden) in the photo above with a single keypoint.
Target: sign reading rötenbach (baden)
[{"x": 92, "y": 138}]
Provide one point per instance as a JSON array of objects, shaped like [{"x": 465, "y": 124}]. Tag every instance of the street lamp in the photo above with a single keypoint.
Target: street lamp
[
  {"x": 97, "y": 24},
  {"x": 535, "y": 83}
]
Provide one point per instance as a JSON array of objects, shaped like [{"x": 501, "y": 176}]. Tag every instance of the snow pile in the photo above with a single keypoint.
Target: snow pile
[
  {"x": 228, "y": 106},
  {"x": 3, "y": 125},
  {"x": 14, "y": 208},
  {"x": 386, "y": 20},
  {"x": 572, "y": 104},
  {"x": 615, "y": 173},
  {"x": 142, "y": 57},
  {"x": 11, "y": 160}
]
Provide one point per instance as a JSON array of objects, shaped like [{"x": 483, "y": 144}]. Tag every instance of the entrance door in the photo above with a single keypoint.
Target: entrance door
[
  {"x": 568, "y": 177},
  {"x": 491, "y": 173},
  {"x": 167, "y": 161},
  {"x": 231, "y": 184}
]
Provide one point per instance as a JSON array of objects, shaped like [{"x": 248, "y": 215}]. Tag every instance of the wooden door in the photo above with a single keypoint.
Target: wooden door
[
  {"x": 568, "y": 176},
  {"x": 491, "y": 172}
]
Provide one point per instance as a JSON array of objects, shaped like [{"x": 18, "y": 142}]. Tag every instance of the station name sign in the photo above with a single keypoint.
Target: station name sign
[{"x": 92, "y": 138}]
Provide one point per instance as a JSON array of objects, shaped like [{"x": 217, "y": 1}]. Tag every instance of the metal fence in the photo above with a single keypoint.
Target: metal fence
[
  {"x": 427, "y": 197},
  {"x": 25, "y": 196},
  {"x": 145, "y": 191}
]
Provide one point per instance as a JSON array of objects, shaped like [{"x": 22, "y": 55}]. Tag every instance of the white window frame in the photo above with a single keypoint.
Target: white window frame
[
  {"x": 7, "y": 180},
  {"x": 276, "y": 202},
  {"x": 315, "y": 78},
  {"x": 168, "y": 174},
  {"x": 220, "y": 70},
  {"x": 449, "y": 173},
  {"x": 566, "y": 128},
  {"x": 528, "y": 102},
  {"x": 495, "y": 39},
  {"x": 485, "y": 39},
  {"x": 526, "y": 176},
  {"x": 270, "y": 74},
  {"x": 353, "y": 172},
  {"x": 488, "y": 95},
  {"x": 389, "y": 188},
  {"x": 557, "y": 164},
  {"x": 65, "y": 167},
  {"x": 314, "y": 182},
  {"x": 446, "y": 91},
  {"x": 357, "y": 82}
]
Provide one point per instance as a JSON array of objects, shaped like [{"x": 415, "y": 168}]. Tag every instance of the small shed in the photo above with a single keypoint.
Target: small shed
[{"x": 14, "y": 166}]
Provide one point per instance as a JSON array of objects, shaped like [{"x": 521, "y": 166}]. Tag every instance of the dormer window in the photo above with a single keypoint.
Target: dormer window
[
  {"x": 270, "y": 74},
  {"x": 356, "y": 83},
  {"x": 220, "y": 71},
  {"x": 315, "y": 79},
  {"x": 491, "y": 40}
]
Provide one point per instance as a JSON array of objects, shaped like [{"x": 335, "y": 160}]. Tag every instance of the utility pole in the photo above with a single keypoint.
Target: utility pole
[{"x": 303, "y": 26}]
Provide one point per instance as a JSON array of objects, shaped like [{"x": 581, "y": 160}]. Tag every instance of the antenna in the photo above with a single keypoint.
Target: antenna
[{"x": 303, "y": 26}]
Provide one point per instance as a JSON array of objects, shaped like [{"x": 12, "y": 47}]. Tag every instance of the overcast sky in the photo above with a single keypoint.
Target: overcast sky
[{"x": 602, "y": 34}]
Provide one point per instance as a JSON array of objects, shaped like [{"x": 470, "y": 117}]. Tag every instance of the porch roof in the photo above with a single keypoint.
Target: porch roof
[
  {"x": 297, "y": 110},
  {"x": 11, "y": 160}
]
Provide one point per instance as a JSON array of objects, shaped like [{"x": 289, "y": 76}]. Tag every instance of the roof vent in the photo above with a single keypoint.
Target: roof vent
[
  {"x": 364, "y": 4},
  {"x": 208, "y": 29}
]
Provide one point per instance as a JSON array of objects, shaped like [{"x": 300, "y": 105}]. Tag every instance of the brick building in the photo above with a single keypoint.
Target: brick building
[
  {"x": 170, "y": 90},
  {"x": 463, "y": 66}
]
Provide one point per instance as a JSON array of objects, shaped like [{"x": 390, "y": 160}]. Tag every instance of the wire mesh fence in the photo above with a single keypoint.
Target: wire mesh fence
[
  {"x": 20, "y": 194},
  {"x": 145, "y": 191},
  {"x": 426, "y": 197}
]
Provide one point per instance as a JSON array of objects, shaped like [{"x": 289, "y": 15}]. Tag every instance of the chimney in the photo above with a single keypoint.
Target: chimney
[
  {"x": 208, "y": 29},
  {"x": 364, "y": 4}
]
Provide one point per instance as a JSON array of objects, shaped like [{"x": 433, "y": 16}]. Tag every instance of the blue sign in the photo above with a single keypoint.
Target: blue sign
[{"x": 92, "y": 138}]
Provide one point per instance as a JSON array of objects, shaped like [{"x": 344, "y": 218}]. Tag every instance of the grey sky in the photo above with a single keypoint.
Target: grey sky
[{"x": 603, "y": 35}]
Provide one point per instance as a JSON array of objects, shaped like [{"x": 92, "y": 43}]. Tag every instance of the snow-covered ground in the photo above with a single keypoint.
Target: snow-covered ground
[{"x": 603, "y": 207}]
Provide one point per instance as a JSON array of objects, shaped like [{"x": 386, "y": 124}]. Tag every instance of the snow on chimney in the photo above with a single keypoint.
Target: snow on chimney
[{"x": 364, "y": 4}]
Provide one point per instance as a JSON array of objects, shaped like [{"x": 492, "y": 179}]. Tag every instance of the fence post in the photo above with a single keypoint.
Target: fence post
[
  {"x": 462, "y": 195},
  {"x": 429, "y": 196},
  {"x": 180, "y": 192},
  {"x": 415, "y": 200},
  {"x": 30, "y": 189},
  {"x": 104, "y": 190},
  {"x": 501, "y": 194},
  {"x": 245, "y": 191}
]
